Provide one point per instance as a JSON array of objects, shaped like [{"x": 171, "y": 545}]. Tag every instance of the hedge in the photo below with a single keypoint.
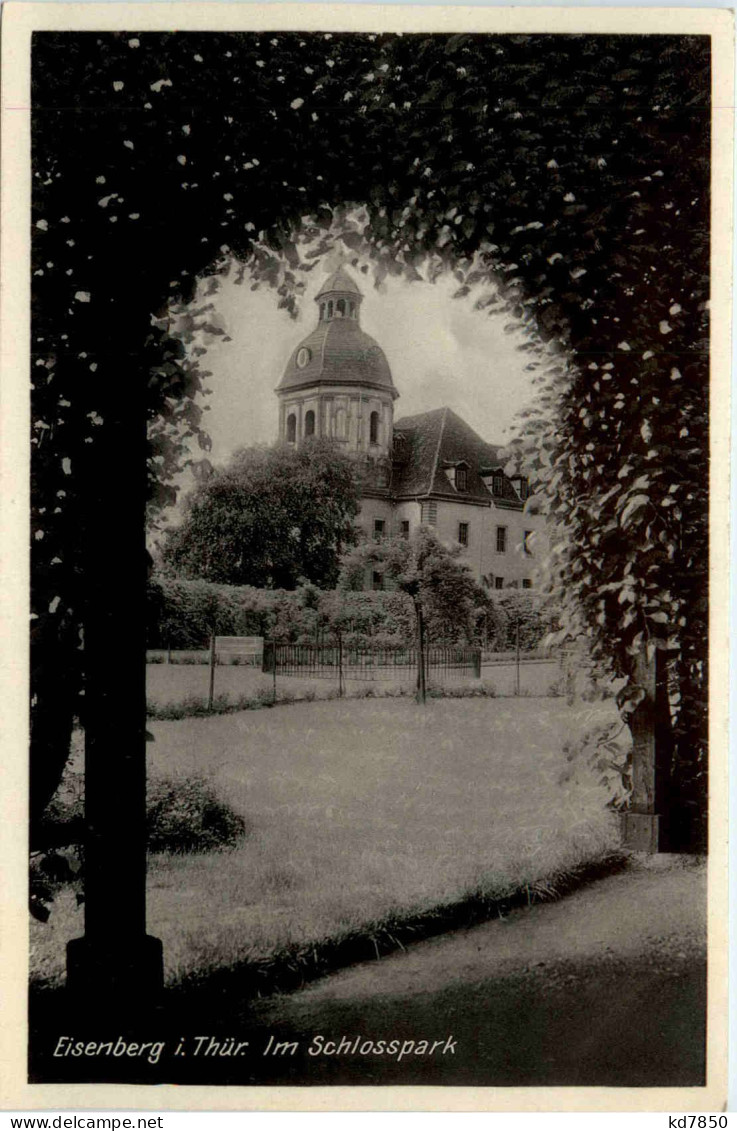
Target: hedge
[{"x": 182, "y": 614}]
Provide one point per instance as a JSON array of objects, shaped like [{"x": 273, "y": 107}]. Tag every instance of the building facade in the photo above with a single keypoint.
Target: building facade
[{"x": 431, "y": 469}]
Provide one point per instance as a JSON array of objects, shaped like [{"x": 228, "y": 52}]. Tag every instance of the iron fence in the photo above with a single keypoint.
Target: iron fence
[{"x": 341, "y": 662}]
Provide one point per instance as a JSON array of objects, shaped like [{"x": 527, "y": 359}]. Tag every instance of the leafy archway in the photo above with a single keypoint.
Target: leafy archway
[{"x": 574, "y": 168}]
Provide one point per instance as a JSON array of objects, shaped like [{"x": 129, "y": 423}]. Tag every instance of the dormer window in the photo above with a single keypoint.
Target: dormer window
[
  {"x": 497, "y": 485},
  {"x": 457, "y": 474},
  {"x": 521, "y": 486}
]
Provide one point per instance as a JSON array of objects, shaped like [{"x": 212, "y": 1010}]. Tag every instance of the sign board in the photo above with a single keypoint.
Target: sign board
[{"x": 251, "y": 646}]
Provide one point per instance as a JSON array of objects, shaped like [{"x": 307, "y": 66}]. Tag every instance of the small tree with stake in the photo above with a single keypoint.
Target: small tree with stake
[{"x": 430, "y": 573}]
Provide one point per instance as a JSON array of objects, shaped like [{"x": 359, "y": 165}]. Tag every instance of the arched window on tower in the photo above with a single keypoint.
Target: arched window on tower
[
  {"x": 352, "y": 309},
  {"x": 309, "y": 423},
  {"x": 330, "y": 310},
  {"x": 291, "y": 428},
  {"x": 322, "y": 311},
  {"x": 374, "y": 428},
  {"x": 340, "y": 308}
]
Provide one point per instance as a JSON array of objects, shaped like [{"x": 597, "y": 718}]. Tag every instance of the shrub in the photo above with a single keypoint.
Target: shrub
[
  {"x": 506, "y": 608},
  {"x": 182, "y": 815},
  {"x": 185, "y": 814},
  {"x": 605, "y": 751}
]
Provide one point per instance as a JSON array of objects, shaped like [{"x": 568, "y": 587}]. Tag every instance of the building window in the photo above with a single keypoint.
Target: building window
[
  {"x": 377, "y": 580},
  {"x": 525, "y": 541},
  {"x": 521, "y": 486},
  {"x": 310, "y": 423},
  {"x": 497, "y": 485},
  {"x": 379, "y": 526},
  {"x": 526, "y": 583},
  {"x": 461, "y": 479},
  {"x": 405, "y": 528},
  {"x": 498, "y": 582},
  {"x": 291, "y": 428},
  {"x": 463, "y": 533},
  {"x": 352, "y": 308},
  {"x": 429, "y": 512},
  {"x": 330, "y": 309},
  {"x": 501, "y": 539},
  {"x": 340, "y": 308},
  {"x": 374, "y": 428}
]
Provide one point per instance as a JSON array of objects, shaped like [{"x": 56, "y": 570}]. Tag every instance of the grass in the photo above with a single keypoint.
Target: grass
[{"x": 362, "y": 815}]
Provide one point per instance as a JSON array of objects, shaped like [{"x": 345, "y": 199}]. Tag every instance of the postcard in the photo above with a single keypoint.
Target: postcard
[{"x": 365, "y": 412}]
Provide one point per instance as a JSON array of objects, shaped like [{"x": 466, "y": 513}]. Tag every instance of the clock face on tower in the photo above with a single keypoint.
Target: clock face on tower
[{"x": 303, "y": 356}]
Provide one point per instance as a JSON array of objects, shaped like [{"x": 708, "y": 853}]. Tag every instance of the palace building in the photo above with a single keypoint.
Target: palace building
[{"x": 430, "y": 469}]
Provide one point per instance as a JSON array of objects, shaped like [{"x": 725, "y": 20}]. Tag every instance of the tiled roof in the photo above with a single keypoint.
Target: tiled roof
[
  {"x": 438, "y": 440},
  {"x": 341, "y": 281},
  {"x": 340, "y": 354}
]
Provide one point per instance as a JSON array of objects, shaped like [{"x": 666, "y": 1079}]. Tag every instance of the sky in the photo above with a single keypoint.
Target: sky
[{"x": 440, "y": 350}]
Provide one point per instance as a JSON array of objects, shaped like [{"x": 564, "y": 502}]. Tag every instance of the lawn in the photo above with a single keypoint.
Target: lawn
[{"x": 361, "y": 813}]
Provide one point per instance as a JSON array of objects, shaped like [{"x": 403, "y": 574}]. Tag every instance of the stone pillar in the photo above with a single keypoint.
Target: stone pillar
[{"x": 115, "y": 967}]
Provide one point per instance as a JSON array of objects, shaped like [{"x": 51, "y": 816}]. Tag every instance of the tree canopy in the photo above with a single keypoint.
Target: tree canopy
[
  {"x": 568, "y": 172},
  {"x": 433, "y": 575},
  {"x": 270, "y": 518}
]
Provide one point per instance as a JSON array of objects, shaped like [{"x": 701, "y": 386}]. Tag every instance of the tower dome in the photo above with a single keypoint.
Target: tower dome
[
  {"x": 338, "y": 351},
  {"x": 337, "y": 381}
]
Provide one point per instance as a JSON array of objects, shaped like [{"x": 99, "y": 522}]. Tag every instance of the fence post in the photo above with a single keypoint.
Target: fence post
[
  {"x": 421, "y": 658},
  {"x": 516, "y": 685},
  {"x": 477, "y": 663},
  {"x": 168, "y": 651},
  {"x": 340, "y": 666},
  {"x": 570, "y": 677},
  {"x": 211, "y": 692}
]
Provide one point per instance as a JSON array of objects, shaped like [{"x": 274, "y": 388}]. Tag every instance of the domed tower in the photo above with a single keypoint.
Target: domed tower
[{"x": 337, "y": 382}]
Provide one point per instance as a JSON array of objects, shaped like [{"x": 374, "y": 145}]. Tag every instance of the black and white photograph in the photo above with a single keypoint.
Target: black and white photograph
[{"x": 375, "y": 496}]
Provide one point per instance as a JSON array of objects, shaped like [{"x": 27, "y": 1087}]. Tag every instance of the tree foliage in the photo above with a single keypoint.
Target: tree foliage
[
  {"x": 271, "y": 517},
  {"x": 566, "y": 176},
  {"x": 435, "y": 577}
]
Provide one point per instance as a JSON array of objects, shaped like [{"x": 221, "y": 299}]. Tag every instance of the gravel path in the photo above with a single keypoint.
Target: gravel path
[{"x": 604, "y": 987}]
